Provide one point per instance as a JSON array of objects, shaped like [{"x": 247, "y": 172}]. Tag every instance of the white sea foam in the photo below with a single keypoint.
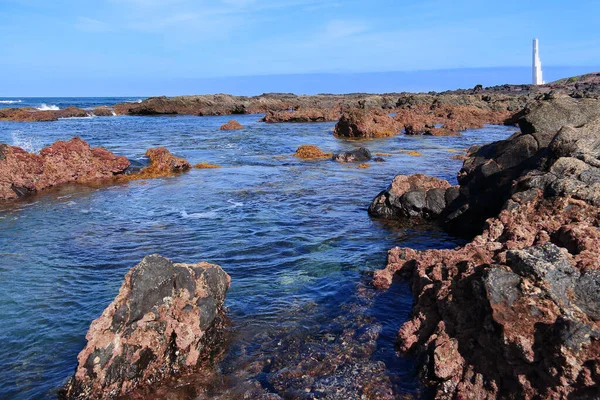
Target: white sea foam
[
  {"x": 27, "y": 143},
  {"x": 45, "y": 107},
  {"x": 114, "y": 113},
  {"x": 10, "y": 101}
]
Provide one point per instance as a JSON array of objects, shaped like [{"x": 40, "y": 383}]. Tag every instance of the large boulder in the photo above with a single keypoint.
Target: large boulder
[
  {"x": 73, "y": 161},
  {"x": 412, "y": 196},
  {"x": 166, "y": 319},
  {"x": 366, "y": 124}
]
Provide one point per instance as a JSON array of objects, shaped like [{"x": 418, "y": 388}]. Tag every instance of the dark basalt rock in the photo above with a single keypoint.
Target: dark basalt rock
[
  {"x": 412, "y": 196},
  {"x": 359, "y": 155}
]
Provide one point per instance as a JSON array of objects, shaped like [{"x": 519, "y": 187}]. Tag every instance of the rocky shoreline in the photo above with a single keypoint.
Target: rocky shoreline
[{"x": 516, "y": 312}]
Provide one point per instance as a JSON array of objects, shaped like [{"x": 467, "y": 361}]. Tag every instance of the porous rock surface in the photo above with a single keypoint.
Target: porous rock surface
[
  {"x": 166, "y": 319},
  {"x": 413, "y": 196},
  {"x": 74, "y": 161},
  {"x": 514, "y": 314},
  {"x": 365, "y": 124},
  {"x": 231, "y": 125}
]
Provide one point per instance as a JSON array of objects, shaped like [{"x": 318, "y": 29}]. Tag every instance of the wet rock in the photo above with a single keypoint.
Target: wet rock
[
  {"x": 359, "y": 155},
  {"x": 310, "y": 152},
  {"x": 205, "y": 165},
  {"x": 35, "y": 115},
  {"x": 232, "y": 125},
  {"x": 303, "y": 115},
  {"x": 514, "y": 313},
  {"x": 166, "y": 319},
  {"x": 411, "y": 196},
  {"x": 162, "y": 164},
  {"x": 73, "y": 161},
  {"x": 365, "y": 124}
]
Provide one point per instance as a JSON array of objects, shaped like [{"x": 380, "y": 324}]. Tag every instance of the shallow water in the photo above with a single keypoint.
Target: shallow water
[{"x": 294, "y": 236}]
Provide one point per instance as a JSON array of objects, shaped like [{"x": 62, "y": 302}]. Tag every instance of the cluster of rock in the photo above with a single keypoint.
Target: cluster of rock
[
  {"x": 167, "y": 319},
  {"x": 515, "y": 313},
  {"x": 76, "y": 162},
  {"x": 303, "y": 115},
  {"x": 63, "y": 162}
]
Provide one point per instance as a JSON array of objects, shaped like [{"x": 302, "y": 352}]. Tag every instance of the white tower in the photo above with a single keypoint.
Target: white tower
[{"x": 537, "y": 64}]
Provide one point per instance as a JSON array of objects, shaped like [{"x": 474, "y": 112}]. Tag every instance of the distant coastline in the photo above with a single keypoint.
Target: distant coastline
[{"x": 308, "y": 84}]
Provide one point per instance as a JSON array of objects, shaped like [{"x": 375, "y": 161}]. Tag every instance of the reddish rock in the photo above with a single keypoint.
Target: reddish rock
[
  {"x": 303, "y": 115},
  {"x": 166, "y": 319},
  {"x": 35, "y": 115},
  {"x": 365, "y": 124},
  {"x": 515, "y": 313},
  {"x": 232, "y": 125},
  {"x": 103, "y": 111},
  {"x": 63, "y": 162},
  {"x": 162, "y": 164},
  {"x": 310, "y": 152}
]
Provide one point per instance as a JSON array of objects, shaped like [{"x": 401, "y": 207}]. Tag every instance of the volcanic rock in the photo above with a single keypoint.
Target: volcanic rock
[
  {"x": 162, "y": 164},
  {"x": 232, "y": 125},
  {"x": 359, "y": 155},
  {"x": 515, "y": 313},
  {"x": 166, "y": 319},
  {"x": 310, "y": 152},
  {"x": 365, "y": 124},
  {"x": 412, "y": 196},
  {"x": 35, "y": 115},
  {"x": 63, "y": 162},
  {"x": 303, "y": 115}
]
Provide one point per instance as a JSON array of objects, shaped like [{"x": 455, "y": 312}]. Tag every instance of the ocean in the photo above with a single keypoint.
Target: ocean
[{"x": 294, "y": 235}]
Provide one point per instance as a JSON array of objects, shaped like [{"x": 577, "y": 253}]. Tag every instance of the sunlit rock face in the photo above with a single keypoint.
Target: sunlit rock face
[{"x": 166, "y": 319}]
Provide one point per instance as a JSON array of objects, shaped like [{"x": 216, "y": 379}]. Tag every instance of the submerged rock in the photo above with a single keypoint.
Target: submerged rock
[
  {"x": 365, "y": 124},
  {"x": 232, "y": 125},
  {"x": 359, "y": 155},
  {"x": 166, "y": 319},
  {"x": 73, "y": 161}
]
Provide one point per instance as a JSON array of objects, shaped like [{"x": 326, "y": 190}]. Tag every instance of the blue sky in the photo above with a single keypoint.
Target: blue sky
[{"x": 65, "y": 47}]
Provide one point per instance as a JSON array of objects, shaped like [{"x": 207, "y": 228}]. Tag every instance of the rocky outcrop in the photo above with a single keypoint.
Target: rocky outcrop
[
  {"x": 365, "y": 124},
  {"x": 514, "y": 313},
  {"x": 232, "y": 125},
  {"x": 162, "y": 164},
  {"x": 63, "y": 162},
  {"x": 35, "y": 115},
  {"x": 488, "y": 173},
  {"x": 311, "y": 152},
  {"x": 359, "y": 155},
  {"x": 303, "y": 115},
  {"x": 166, "y": 319},
  {"x": 415, "y": 196}
]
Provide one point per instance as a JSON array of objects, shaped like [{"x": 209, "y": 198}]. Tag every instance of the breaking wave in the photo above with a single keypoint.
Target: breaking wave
[
  {"x": 10, "y": 101},
  {"x": 45, "y": 107},
  {"x": 27, "y": 143}
]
